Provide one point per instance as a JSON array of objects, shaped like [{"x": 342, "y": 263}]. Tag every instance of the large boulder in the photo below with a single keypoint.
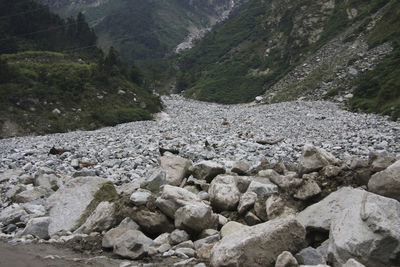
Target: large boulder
[
  {"x": 207, "y": 170},
  {"x": 152, "y": 222},
  {"x": 102, "y": 219},
  {"x": 314, "y": 159},
  {"x": 368, "y": 231},
  {"x": 224, "y": 194},
  {"x": 380, "y": 161},
  {"x": 72, "y": 204},
  {"x": 176, "y": 168},
  {"x": 133, "y": 244},
  {"x": 387, "y": 182},
  {"x": 319, "y": 215},
  {"x": 259, "y": 245},
  {"x": 195, "y": 218},
  {"x": 111, "y": 236},
  {"x": 172, "y": 198}
]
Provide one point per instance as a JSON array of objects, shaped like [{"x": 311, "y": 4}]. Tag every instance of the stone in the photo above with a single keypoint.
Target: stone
[
  {"x": 172, "y": 198},
  {"x": 12, "y": 214},
  {"x": 155, "y": 181},
  {"x": 368, "y": 231},
  {"x": 10, "y": 174},
  {"x": 387, "y": 182},
  {"x": 187, "y": 251},
  {"x": 32, "y": 194},
  {"x": 260, "y": 209},
  {"x": 140, "y": 197},
  {"x": 208, "y": 232},
  {"x": 251, "y": 219},
  {"x": 37, "y": 210},
  {"x": 262, "y": 187},
  {"x": 207, "y": 170},
  {"x": 49, "y": 181},
  {"x": 314, "y": 159},
  {"x": 243, "y": 182},
  {"x": 240, "y": 167},
  {"x": 331, "y": 171},
  {"x": 177, "y": 236},
  {"x": 310, "y": 256},
  {"x": 319, "y": 215},
  {"x": 133, "y": 244},
  {"x": 246, "y": 202},
  {"x": 288, "y": 181},
  {"x": 352, "y": 263},
  {"x": 15, "y": 190},
  {"x": 102, "y": 219},
  {"x": 206, "y": 241},
  {"x": 112, "y": 236},
  {"x": 274, "y": 206},
  {"x": 308, "y": 190},
  {"x": 195, "y": 218},
  {"x": 224, "y": 194},
  {"x": 161, "y": 239},
  {"x": 72, "y": 204},
  {"x": 152, "y": 222},
  {"x": 185, "y": 244},
  {"x": 231, "y": 227},
  {"x": 286, "y": 259},
  {"x": 259, "y": 245},
  {"x": 176, "y": 169},
  {"x": 380, "y": 161},
  {"x": 38, "y": 227}
]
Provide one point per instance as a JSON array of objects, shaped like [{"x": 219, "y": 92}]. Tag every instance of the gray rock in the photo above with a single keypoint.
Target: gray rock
[
  {"x": 172, "y": 198},
  {"x": 243, "y": 182},
  {"x": 12, "y": 214},
  {"x": 102, "y": 219},
  {"x": 155, "y": 181},
  {"x": 207, "y": 170},
  {"x": 387, "y": 182},
  {"x": 176, "y": 168},
  {"x": 38, "y": 227},
  {"x": 14, "y": 191},
  {"x": 262, "y": 187},
  {"x": 367, "y": 231},
  {"x": 37, "y": 210},
  {"x": 330, "y": 171},
  {"x": 352, "y": 263},
  {"x": 161, "y": 239},
  {"x": 224, "y": 194},
  {"x": 140, "y": 197},
  {"x": 259, "y": 245},
  {"x": 178, "y": 236},
  {"x": 133, "y": 244},
  {"x": 49, "y": 181},
  {"x": 206, "y": 241},
  {"x": 314, "y": 159},
  {"x": 232, "y": 227},
  {"x": 195, "y": 218},
  {"x": 10, "y": 174},
  {"x": 187, "y": 251},
  {"x": 240, "y": 167},
  {"x": 380, "y": 161},
  {"x": 72, "y": 204},
  {"x": 308, "y": 190},
  {"x": 310, "y": 256},
  {"x": 32, "y": 194},
  {"x": 152, "y": 222},
  {"x": 286, "y": 259},
  {"x": 319, "y": 216},
  {"x": 112, "y": 236},
  {"x": 246, "y": 202},
  {"x": 251, "y": 219}
]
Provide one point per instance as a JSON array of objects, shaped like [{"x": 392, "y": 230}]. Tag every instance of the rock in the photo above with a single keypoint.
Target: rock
[
  {"x": 352, "y": 263},
  {"x": 187, "y": 251},
  {"x": 380, "y": 161},
  {"x": 259, "y": 245},
  {"x": 262, "y": 187},
  {"x": 240, "y": 167},
  {"x": 386, "y": 182},
  {"x": 38, "y": 210},
  {"x": 38, "y": 227},
  {"x": 178, "y": 236},
  {"x": 102, "y": 219},
  {"x": 208, "y": 232},
  {"x": 195, "y": 218},
  {"x": 367, "y": 231},
  {"x": 207, "y": 170},
  {"x": 319, "y": 216},
  {"x": 251, "y": 219},
  {"x": 176, "y": 169},
  {"x": 231, "y": 227},
  {"x": 72, "y": 204},
  {"x": 275, "y": 207},
  {"x": 206, "y": 241},
  {"x": 32, "y": 194},
  {"x": 286, "y": 182},
  {"x": 314, "y": 159},
  {"x": 152, "y": 222},
  {"x": 49, "y": 181},
  {"x": 224, "y": 194},
  {"x": 140, "y": 197},
  {"x": 331, "y": 171},
  {"x": 133, "y": 244},
  {"x": 222, "y": 220},
  {"x": 308, "y": 190},
  {"x": 10, "y": 174},
  {"x": 161, "y": 239},
  {"x": 12, "y": 214},
  {"x": 201, "y": 183},
  {"x": 185, "y": 244},
  {"x": 155, "y": 181},
  {"x": 14, "y": 191},
  {"x": 286, "y": 259},
  {"x": 172, "y": 198},
  {"x": 112, "y": 236},
  {"x": 56, "y": 111},
  {"x": 310, "y": 256},
  {"x": 246, "y": 202},
  {"x": 9, "y": 228},
  {"x": 260, "y": 209},
  {"x": 243, "y": 182}
]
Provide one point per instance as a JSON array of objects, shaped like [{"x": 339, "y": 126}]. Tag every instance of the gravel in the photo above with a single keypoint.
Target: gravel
[{"x": 196, "y": 130}]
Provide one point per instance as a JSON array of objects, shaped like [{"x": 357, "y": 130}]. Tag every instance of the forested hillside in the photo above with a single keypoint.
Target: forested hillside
[{"x": 53, "y": 78}]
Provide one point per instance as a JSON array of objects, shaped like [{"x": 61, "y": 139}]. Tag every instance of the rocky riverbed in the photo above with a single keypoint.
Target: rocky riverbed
[{"x": 205, "y": 184}]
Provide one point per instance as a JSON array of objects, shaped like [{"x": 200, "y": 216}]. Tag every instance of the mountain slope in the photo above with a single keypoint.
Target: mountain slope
[
  {"x": 255, "y": 49},
  {"x": 45, "y": 89},
  {"x": 144, "y": 29}
]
